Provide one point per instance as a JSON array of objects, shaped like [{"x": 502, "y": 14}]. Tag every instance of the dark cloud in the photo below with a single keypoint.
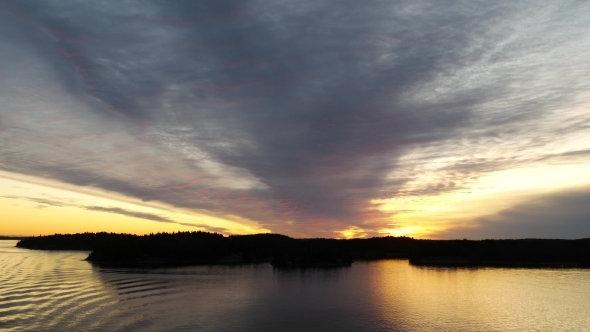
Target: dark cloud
[
  {"x": 557, "y": 215},
  {"x": 43, "y": 201},
  {"x": 46, "y": 202},
  {"x": 295, "y": 114},
  {"x": 134, "y": 214},
  {"x": 153, "y": 217}
]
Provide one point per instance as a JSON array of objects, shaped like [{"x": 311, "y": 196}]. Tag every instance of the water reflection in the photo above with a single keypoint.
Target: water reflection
[
  {"x": 310, "y": 300},
  {"x": 58, "y": 291},
  {"x": 489, "y": 299},
  {"x": 224, "y": 298},
  {"x": 190, "y": 298}
]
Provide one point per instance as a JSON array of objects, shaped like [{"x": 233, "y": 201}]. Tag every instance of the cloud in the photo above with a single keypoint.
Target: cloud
[
  {"x": 295, "y": 114},
  {"x": 557, "y": 215},
  {"x": 134, "y": 214},
  {"x": 47, "y": 202},
  {"x": 43, "y": 201},
  {"x": 152, "y": 217}
]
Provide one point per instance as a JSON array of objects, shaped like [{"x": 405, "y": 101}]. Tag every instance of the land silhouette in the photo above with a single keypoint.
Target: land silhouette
[
  {"x": 12, "y": 237},
  {"x": 203, "y": 248}
]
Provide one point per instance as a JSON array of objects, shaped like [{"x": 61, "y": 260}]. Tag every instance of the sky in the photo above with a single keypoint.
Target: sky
[{"x": 430, "y": 119}]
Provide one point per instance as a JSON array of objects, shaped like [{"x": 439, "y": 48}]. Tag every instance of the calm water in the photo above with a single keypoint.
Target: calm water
[{"x": 57, "y": 291}]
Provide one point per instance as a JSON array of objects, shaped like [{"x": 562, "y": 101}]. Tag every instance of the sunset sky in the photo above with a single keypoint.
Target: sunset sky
[{"x": 431, "y": 119}]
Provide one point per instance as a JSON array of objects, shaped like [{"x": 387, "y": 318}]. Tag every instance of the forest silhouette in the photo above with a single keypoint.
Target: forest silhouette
[{"x": 203, "y": 248}]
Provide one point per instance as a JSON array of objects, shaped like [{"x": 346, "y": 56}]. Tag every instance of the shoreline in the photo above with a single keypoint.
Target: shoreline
[{"x": 202, "y": 248}]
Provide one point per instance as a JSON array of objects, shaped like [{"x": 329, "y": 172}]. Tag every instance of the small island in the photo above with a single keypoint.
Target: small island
[{"x": 203, "y": 248}]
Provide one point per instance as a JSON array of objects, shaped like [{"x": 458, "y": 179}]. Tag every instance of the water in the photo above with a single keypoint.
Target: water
[{"x": 58, "y": 291}]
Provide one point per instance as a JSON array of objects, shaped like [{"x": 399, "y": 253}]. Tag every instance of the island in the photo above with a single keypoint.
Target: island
[{"x": 204, "y": 248}]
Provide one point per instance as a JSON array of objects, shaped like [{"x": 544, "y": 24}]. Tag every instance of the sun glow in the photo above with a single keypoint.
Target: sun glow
[
  {"x": 353, "y": 232},
  {"x": 410, "y": 231},
  {"x": 425, "y": 216}
]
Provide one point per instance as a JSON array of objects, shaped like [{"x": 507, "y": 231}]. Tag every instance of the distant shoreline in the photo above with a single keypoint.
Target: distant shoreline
[
  {"x": 13, "y": 237},
  {"x": 202, "y": 248}
]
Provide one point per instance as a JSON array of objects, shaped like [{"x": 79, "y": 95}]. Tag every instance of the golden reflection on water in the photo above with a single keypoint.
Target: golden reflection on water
[{"x": 481, "y": 299}]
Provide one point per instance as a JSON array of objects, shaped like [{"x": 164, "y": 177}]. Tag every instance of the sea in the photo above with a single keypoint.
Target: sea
[{"x": 60, "y": 291}]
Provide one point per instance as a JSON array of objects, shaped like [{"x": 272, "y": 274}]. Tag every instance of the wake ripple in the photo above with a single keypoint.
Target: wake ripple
[{"x": 59, "y": 291}]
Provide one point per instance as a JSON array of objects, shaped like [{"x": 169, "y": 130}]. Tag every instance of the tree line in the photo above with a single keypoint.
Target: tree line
[{"x": 194, "y": 248}]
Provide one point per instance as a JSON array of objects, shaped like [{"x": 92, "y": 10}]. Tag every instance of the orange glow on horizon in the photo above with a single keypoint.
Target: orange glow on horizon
[{"x": 46, "y": 207}]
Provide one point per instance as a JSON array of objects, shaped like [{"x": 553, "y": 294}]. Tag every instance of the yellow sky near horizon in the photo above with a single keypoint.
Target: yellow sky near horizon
[
  {"x": 32, "y": 206},
  {"x": 426, "y": 216}
]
